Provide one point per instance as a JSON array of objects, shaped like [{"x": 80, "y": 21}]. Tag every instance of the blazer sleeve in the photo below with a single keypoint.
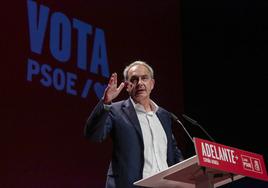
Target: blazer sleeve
[
  {"x": 177, "y": 152},
  {"x": 98, "y": 124}
]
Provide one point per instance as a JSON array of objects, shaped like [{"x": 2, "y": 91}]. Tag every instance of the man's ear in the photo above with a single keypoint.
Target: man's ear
[
  {"x": 152, "y": 83},
  {"x": 127, "y": 89},
  {"x": 127, "y": 86}
]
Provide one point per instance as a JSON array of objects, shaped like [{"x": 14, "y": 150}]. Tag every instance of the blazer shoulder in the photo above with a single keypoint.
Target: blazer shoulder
[
  {"x": 119, "y": 104},
  {"x": 162, "y": 110}
]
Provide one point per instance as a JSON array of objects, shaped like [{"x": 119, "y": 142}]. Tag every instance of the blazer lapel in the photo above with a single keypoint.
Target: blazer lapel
[
  {"x": 163, "y": 120},
  {"x": 129, "y": 110}
]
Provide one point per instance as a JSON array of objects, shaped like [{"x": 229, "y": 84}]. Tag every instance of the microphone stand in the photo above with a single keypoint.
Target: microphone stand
[
  {"x": 175, "y": 118},
  {"x": 197, "y": 124}
]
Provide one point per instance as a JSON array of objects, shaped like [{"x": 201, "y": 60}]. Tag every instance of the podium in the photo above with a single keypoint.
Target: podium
[{"x": 213, "y": 165}]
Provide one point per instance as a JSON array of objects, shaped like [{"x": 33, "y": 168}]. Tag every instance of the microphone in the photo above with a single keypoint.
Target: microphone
[
  {"x": 195, "y": 123},
  {"x": 175, "y": 118}
]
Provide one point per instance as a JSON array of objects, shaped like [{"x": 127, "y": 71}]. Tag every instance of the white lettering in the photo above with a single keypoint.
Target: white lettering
[
  {"x": 204, "y": 153},
  {"x": 218, "y": 153}
]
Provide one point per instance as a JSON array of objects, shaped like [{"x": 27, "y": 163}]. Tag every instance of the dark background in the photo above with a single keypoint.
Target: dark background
[
  {"x": 42, "y": 127},
  {"x": 224, "y": 49},
  {"x": 209, "y": 60}
]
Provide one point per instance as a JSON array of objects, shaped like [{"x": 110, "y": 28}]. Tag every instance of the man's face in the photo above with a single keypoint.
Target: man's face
[{"x": 140, "y": 83}]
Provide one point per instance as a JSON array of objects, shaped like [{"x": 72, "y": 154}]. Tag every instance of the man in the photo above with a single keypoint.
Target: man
[{"x": 143, "y": 143}]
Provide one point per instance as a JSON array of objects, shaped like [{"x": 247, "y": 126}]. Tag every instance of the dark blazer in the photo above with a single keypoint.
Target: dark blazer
[{"x": 121, "y": 122}]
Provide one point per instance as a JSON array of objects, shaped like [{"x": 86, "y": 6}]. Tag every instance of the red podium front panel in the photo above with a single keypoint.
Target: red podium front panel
[{"x": 229, "y": 159}]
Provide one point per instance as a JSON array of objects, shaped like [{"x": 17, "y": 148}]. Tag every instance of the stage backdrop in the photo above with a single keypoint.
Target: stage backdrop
[{"x": 56, "y": 59}]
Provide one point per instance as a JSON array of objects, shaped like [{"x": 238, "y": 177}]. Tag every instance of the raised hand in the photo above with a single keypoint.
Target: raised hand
[{"x": 112, "y": 91}]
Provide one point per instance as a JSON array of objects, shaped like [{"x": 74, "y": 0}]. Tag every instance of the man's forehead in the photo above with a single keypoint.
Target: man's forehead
[
  {"x": 138, "y": 70},
  {"x": 138, "y": 74}
]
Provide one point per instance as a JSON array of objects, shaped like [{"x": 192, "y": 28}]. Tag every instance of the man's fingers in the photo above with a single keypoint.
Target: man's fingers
[
  {"x": 111, "y": 81},
  {"x": 121, "y": 86},
  {"x": 115, "y": 78}
]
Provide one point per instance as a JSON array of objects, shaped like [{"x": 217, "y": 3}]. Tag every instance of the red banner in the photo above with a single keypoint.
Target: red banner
[{"x": 229, "y": 159}]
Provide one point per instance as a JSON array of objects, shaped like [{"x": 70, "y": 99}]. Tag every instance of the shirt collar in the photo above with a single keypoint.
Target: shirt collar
[{"x": 139, "y": 107}]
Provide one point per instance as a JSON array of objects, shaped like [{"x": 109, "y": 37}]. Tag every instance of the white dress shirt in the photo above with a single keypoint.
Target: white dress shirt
[{"x": 154, "y": 139}]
